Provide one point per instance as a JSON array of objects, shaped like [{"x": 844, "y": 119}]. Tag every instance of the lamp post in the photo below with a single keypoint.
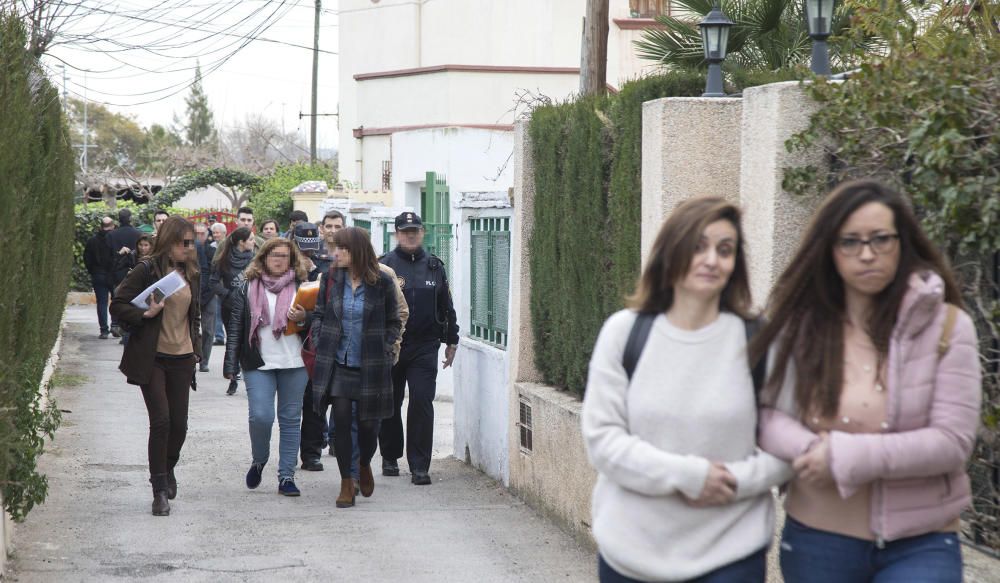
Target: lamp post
[
  {"x": 715, "y": 36},
  {"x": 819, "y": 18}
]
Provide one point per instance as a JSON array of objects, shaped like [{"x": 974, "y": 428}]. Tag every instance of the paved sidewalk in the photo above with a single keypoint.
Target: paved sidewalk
[{"x": 96, "y": 524}]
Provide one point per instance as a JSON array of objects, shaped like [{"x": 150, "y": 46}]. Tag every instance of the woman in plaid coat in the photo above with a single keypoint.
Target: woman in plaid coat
[{"x": 355, "y": 326}]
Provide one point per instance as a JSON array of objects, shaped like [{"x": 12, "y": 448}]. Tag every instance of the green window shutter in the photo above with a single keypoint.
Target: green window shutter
[
  {"x": 500, "y": 280},
  {"x": 490, "y": 279},
  {"x": 367, "y": 225},
  {"x": 480, "y": 281}
]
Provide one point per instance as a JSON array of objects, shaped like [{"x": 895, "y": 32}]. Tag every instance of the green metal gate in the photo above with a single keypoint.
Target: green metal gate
[{"x": 435, "y": 210}]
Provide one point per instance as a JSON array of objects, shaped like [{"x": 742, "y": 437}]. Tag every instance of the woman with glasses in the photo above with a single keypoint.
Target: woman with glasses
[
  {"x": 873, "y": 397},
  {"x": 262, "y": 343},
  {"x": 163, "y": 348}
]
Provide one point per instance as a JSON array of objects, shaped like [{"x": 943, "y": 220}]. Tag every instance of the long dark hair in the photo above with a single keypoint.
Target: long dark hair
[
  {"x": 675, "y": 245},
  {"x": 228, "y": 247},
  {"x": 364, "y": 263},
  {"x": 807, "y": 309},
  {"x": 171, "y": 232}
]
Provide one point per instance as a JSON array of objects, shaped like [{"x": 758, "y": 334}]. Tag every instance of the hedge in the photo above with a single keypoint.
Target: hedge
[{"x": 36, "y": 216}]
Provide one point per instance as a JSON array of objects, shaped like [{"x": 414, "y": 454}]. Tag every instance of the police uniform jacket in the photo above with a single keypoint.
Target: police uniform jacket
[{"x": 422, "y": 277}]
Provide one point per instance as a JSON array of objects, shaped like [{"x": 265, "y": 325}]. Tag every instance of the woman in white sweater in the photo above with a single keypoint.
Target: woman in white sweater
[{"x": 683, "y": 493}]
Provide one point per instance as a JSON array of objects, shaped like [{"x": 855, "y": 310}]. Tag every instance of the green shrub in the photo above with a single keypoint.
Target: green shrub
[
  {"x": 271, "y": 198},
  {"x": 36, "y": 214},
  {"x": 586, "y": 239}
]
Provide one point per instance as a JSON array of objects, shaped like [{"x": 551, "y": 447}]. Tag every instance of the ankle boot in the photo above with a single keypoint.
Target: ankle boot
[
  {"x": 161, "y": 507},
  {"x": 171, "y": 485},
  {"x": 346, "y": 498},
  {"x": 367, "y": 481}
]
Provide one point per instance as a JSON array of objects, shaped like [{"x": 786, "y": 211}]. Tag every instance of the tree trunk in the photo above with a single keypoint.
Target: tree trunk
[{"x": 594, "y": 53}]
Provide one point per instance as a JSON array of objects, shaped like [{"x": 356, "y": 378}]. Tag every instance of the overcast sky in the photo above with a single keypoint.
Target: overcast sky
[{"x": 140, "y": 57}]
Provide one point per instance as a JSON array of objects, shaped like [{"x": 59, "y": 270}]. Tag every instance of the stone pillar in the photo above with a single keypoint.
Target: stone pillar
[
  {"x": 522, "y": 339},
  {"x": 773, "y": 219},
  {"x": 690, "y": 147}
]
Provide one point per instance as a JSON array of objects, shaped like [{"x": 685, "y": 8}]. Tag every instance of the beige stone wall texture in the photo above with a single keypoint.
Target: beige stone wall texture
[
  {"x": 773, "y": 219},
  {"x": 555, "y": 478},
  {"x": 690, "y": 147}
]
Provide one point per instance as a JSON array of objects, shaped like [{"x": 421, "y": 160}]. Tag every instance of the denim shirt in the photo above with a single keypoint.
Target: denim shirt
[{"x": 349, "y": 352}]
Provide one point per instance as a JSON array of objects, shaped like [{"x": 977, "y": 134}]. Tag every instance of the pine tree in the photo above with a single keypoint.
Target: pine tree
[{"x": 199, "y": 129}]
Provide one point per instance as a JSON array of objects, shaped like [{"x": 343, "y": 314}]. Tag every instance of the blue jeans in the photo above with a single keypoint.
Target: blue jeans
[
  {"x": 752, "y": 569},
  {"x": 103, "y": 290},
  {"x": 817, "y": 556},
  {"x": 288, "y": 384},
  {"x": 355, "y": 450},
  {"x": 220, "y": 327}
]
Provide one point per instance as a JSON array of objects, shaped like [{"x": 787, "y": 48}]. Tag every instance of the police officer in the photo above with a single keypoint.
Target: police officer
[{"x": 432, "y": 321}]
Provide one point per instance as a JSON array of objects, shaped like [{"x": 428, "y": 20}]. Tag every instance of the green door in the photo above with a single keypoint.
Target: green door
[{"x": 435, "y": 210}]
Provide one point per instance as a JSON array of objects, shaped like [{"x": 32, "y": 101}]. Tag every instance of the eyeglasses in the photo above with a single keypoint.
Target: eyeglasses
[
  {"x": 188, "y": 242},
  {"x": 880, "y": 245}
]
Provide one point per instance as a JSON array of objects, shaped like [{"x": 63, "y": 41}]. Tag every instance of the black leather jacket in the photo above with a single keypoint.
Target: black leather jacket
[{"x": 238, "y": 347}]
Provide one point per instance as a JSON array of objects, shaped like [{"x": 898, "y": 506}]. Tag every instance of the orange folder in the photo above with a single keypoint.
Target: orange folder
[{"x": 305, "y": 297}]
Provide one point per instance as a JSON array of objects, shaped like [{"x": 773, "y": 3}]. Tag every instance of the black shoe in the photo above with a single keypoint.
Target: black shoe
[
  {"x": 232, "y": 388},
  {"x": 203, "y": 368},
  {"x": 390, "y": 467},
  {"x": 161, "y": 507},
  {"x": 254, "y": 475},
  {"x": 171, "y": 485},
  {"x": 420, "y": 479},
  {"x": 219, "y": 343},
  {"x": 103, "y": 336},
  {"x": 286, "y": 487},
  {"x": 116, "y": 331},
  {"x": 312, "y": 466}
]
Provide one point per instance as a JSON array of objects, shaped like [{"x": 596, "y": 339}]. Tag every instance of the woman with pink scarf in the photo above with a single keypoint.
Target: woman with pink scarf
[{"x": 262, "y": 311}]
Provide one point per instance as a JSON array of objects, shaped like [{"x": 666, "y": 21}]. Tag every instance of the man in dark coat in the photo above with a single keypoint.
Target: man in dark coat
[
  {"x": 99, "y": 260},
  {"x": 432, "y": 321},
  {"x": 123, "y": 241}
]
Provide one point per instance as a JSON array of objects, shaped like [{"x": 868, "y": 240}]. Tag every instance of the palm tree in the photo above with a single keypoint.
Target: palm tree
[{"x": 768, "y": 35}]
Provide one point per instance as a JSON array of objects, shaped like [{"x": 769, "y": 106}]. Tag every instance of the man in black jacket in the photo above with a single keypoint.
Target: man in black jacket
[
  {"x": 99, "y": 260},
  {"x": 208, "y": 310},
  {"x": 123, "y": 240},
  {"x": 432, "y": 321}
]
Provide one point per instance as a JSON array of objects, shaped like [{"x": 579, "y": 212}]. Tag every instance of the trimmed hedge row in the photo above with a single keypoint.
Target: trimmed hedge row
[
  {"x": 586, "y": 241},
  {"x": 36, "y": 216}
]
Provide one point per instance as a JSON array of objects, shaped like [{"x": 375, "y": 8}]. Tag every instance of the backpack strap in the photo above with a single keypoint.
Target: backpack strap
[
  {"x": 758, "y": 370},
  {"x": 944, "y": 343},
  {"x": 637, "y": 341}
]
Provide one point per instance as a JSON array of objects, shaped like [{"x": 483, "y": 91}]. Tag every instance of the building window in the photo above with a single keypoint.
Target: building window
[
  {"x": 649, "y": 8},
  {"x": 525, "y": 425},
  {"x": 386, "y": 174},
  {"x": 490, "y": 277},
  {"x": 367, "y": 225}
]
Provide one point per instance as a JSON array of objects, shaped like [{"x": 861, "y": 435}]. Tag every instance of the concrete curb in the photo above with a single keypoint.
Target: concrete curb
[{"x": 7, "y": 524}]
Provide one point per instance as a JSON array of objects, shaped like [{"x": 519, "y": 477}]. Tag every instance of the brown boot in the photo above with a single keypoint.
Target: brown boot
[
  {"x": 367, "y": 481},
  {"x": 346, "y": 498},
  {"x": 160, "y": 505}
]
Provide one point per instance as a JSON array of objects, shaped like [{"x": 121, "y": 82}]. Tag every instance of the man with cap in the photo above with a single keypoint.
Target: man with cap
[
  {"x": 309, "y": 242},
  {"x": 432, "y": 321}
]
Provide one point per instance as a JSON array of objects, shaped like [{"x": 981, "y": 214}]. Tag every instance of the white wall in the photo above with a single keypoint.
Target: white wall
[{"x": 204, "y": 198}]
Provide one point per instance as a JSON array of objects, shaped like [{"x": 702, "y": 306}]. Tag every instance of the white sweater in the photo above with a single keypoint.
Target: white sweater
[{"x": 691, "y": 402}]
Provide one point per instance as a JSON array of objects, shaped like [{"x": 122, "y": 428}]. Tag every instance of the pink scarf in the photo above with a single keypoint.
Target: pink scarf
[{"x": 284, "y": 288}]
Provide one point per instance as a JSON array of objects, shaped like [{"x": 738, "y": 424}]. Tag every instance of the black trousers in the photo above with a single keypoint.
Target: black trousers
[
  {"x": 417, "y": 368},
  {"x": 167, "y": 396},
  {"x": 314, "y": 429}
]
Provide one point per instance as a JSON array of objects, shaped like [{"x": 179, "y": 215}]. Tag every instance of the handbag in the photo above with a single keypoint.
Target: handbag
[{"x": 309, "y": 346}]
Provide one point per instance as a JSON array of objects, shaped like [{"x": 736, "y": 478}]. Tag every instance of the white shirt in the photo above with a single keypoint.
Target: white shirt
[
  {"x": 691, "y": 402},
  {"x": 286, "y": 351}
]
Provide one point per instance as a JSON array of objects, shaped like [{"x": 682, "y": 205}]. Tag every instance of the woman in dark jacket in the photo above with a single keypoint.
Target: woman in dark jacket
[
  {"x": 163, "y": 349},
  {"x": 231, "y": 258},
  {"x": 263, "y": 309},
  {"x": 355, "y": 326}
]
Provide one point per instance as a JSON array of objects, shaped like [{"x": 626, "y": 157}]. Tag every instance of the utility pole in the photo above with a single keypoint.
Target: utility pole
[
  {"x": 315, "y": 86},
  {"x": 594, "y": 52},
  {"x": 85, "y": 132}
]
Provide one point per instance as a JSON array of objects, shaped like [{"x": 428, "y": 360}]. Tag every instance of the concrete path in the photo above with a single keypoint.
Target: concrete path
[{"x": 96, "y": 524}]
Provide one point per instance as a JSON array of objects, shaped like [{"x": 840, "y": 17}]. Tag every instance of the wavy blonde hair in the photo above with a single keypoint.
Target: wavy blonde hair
[{"x": 258, "y": 267}]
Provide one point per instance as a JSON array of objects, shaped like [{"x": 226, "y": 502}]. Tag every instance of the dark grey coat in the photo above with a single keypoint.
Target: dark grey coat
[{"x": 381, "y": 327}]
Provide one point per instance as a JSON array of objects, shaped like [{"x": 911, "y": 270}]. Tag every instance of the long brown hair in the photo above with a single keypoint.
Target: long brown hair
[
  {"x": 258, "y": 265},
  {"x": 674, "y": 248},
  {"x": 172, "y": 232},
  {"x": 807, "y": 309},
  {"x": 364, "y": 263}
]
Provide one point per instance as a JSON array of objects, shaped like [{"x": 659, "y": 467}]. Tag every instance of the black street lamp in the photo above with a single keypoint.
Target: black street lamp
[
  {"x": 819, "y": 18},
  {"x": 715, "y": 36}
]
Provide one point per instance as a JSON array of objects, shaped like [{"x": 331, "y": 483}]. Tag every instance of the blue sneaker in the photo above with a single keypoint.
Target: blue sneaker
[
  {"x": 286, "y": 487},
  {"x": 254, "y": 475}
]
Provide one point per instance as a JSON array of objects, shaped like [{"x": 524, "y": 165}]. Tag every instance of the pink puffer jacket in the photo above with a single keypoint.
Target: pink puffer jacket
[{"x": 918, "y": 464}]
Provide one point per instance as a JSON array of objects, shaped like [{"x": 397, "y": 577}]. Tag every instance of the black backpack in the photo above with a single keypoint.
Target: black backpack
[{"x": 640, "y": 333}]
